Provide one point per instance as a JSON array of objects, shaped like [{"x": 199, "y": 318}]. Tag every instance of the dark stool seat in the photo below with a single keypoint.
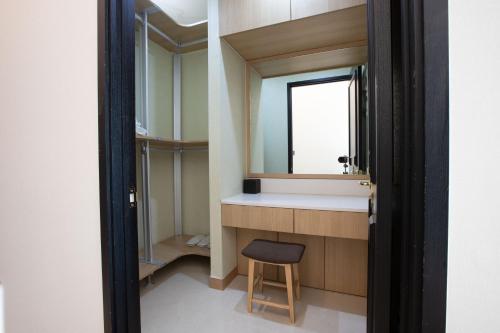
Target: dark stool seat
[
  {"x": 286, "y": 255},
  {"x": 274, "y": 252}
]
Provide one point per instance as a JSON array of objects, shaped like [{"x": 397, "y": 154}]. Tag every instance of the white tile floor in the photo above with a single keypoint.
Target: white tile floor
[{"x": 181, "y": 301}]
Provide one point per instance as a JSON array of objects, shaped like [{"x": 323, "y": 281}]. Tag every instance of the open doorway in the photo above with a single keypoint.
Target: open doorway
[{"x": 118, "y": 184}]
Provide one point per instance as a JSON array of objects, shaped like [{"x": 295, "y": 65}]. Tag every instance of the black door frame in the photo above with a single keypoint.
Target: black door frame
[
  {"x": 408, "y": 48},
  {"x": 408, "y": 66},
  {"x": 116, "y": 86}
]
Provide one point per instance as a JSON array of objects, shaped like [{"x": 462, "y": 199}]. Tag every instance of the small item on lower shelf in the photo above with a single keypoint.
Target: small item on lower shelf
[
  {"x": 139, "y": 129},
  {"x": 194, "y": 240},
  {"x": 204, "y": 242}
]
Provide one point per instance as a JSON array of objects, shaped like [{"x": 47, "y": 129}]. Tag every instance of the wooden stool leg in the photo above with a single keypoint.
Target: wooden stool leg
[
  {"x": 261, "y": 274},
  {"x": 251, "y": 266},
  {"x": 289, "y": 289},
  {"x": 297, "y": 280}
]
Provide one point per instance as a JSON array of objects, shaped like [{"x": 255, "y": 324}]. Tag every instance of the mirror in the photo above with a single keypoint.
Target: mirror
[{"x": 312, "y": 123}]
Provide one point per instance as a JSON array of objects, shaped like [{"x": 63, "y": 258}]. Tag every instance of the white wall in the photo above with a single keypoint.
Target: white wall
[
  {"x": 50, "y": 252},
  {"x": 474, "y": 221},
  {"x": 226, "y": 75}
]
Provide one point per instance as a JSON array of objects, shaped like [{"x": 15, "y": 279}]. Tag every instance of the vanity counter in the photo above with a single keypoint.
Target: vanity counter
[
  {"x": 333, "y": 228},
  {"x": 301, "y": 201}
]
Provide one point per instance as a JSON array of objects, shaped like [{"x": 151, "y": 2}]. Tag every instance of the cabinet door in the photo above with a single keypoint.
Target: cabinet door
[
  {"x": 346, "y": 266},
  {"x": 312, "y": 265},
  {"x": 305, "y": 8},
  {"x": 241, "y": 15}
]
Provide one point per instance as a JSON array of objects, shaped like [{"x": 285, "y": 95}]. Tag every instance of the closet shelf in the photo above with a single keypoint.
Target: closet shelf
[
  {"x": 169, "y": 250},
  {"x": 157, "y": 142}
]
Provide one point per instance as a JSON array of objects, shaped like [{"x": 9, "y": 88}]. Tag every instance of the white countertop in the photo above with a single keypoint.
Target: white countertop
[{"x": 301, "y": 201}]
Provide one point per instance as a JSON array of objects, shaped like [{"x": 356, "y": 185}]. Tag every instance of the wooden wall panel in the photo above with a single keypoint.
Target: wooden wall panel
[
  {"x": 242, "y": 15},
  {"x": 304, "y": 8},
  {"x": 330, "y": 223},
  {"x": 243, "y": 238},
  {"x": 326, "y": 30},
  {"x": 346, "y": 265},
  {"x": 312, "y": 266},
  {"x": 261, "y": 218}
]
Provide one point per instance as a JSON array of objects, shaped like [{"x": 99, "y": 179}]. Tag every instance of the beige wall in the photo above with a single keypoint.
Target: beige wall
[
  {"x": 195, "y": 192},
  {"x": 226, "y": 74},
  {"x": 50, "y": 256},
  {"x": 194, "y": 104},
  {"x": 160, "y": 124},
  {"x": 194, "y": 80},
  {"x": 474, "y": 218}
]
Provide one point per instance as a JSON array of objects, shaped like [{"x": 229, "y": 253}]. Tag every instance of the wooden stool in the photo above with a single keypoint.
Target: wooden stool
[{"x": 287, "y": 255}]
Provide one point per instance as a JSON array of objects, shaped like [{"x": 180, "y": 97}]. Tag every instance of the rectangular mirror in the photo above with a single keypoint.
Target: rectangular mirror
[{"x": 312, "y": 123}]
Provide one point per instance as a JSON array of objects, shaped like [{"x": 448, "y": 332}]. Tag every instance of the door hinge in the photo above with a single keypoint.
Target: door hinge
[{"x": 132, "y": 196}]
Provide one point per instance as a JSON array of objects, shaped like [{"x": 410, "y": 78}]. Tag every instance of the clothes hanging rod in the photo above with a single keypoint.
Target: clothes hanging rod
[
  {"x": 169, "y": 39},
  {"x": 158, "y": 31},
  {"x": 175, "y": 150}
]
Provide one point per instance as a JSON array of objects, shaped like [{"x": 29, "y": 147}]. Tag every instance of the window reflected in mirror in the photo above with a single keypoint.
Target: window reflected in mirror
[{"x": 309, "y": 123}]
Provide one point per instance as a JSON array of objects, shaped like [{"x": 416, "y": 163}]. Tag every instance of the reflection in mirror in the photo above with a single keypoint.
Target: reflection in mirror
[{"x": 309, "y": 123}]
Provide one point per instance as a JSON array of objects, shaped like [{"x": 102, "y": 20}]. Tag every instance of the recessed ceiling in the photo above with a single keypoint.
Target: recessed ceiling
[{"x": 184, "y": 12}]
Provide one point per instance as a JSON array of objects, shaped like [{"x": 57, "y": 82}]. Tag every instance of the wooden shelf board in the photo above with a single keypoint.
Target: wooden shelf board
[
  {"x": 325, "y": 30},
  {"x": 172, "y": 144},
  {"x": 171, "y": 28},
  {"x": 169, "y": 250},
  {"x": 146, "y": 270}
]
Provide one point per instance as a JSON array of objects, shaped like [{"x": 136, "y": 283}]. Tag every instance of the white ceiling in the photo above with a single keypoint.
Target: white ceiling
[{"x": 184, "y": 12}]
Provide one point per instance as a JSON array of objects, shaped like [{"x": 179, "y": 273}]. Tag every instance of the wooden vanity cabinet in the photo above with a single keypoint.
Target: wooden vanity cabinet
[{"x": 336, "y": 256}]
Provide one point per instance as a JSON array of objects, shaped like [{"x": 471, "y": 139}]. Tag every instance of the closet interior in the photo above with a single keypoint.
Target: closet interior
[
  {"x": 262, "y": 56},
  {"x": 171, "y": 62}
]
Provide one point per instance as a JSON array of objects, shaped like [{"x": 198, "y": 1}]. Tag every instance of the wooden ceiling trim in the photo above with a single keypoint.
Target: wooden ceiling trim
[
  {"x": 311, "y": 62},
  {"x": 320, "y": 31}
]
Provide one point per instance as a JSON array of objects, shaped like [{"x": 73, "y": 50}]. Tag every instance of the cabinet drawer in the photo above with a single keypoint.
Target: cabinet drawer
[
  {"x": 261, "y": 218},
  {"x": 331, "y": 224}
]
